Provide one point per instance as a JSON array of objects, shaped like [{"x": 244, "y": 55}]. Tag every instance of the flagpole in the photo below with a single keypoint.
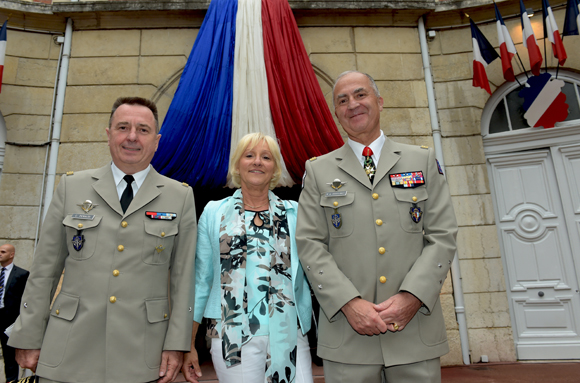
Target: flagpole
[
  {"x": 522, "y": 64},
  {"x": 545, "y": 37}
]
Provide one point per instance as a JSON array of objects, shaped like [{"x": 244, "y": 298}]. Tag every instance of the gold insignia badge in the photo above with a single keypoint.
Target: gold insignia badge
[
  {"x": 336, "y": 184},
  {"x": 87, "y": 206},
  {"x": 159, "y": 248}
]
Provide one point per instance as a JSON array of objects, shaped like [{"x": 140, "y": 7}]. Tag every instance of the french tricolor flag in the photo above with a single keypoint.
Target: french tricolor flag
[
  {"x": 529, "y": 40},
  {"x": 572, "y": 19},
  {"x": 483, "y": 54},
  {"x": 2, "y": 50},
  {"x": 552, "y": 33},
  {"x": 507, "y": 48}
]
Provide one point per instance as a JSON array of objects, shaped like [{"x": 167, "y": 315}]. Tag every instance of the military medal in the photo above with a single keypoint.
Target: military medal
[
  {"x": 160, "y": 215},
  {"x": 416, "y": 213},
  {"x": 78, "y": 240},
  {"x": 407, "y": 180},
  {"x": 87, "y": 206},
  {"x": 336, "y": 219}
]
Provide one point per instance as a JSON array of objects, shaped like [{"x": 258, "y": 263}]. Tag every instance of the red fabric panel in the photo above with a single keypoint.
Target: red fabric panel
[
  {"x": 535, "y": 55},
  {"x": 506, "y": 63},
  {"x": 480, "y": 77},
  {"x": 558, "y": 48},
  {"x": 556, "y": 112},
  {"x": 302, "y": 120}
]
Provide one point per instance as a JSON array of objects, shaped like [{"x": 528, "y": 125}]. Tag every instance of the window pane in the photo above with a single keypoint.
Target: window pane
[
  {"x": 515, "y": 103},
  {"x": 572, "y": 101},
  {"x": 498, "y": 121}
]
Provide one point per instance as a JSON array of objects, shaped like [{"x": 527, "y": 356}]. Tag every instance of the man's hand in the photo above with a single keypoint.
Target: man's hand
[
  {"x": 170, "y": 365},
  {"x": 27, "y": 358},
  {"x": 363, "y": 317},
  {"x": 398, "y": 309},
  {"x": 191, "y": 370}
]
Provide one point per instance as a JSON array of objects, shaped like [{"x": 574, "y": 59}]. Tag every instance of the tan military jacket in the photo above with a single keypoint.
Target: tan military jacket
[
  {"x": 377, "y": 251},
  {"x": 126, "y": 294}
]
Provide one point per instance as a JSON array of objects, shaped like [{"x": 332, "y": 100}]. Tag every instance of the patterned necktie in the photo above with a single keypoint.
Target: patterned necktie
[
  {"x": 369, "y": 164},
  {"x": 127, "y": 195},
  {"x": 2, "y": 280}
]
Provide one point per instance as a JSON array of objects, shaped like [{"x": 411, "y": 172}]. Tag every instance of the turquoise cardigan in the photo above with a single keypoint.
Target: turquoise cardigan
[{"x": 207, "y": 265}]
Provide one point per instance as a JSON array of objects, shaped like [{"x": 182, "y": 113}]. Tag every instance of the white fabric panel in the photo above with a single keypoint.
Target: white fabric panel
[{"x": 251, "y": 106}]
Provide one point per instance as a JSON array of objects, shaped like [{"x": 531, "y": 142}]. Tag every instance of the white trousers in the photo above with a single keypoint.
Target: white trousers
[{"x": 253, "y": 366}]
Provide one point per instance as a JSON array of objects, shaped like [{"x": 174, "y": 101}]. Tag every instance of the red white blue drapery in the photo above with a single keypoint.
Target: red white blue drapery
[{"x": 248, "y": 72}]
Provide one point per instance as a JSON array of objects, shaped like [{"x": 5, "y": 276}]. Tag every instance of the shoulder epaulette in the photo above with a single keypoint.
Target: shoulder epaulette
[
  {"x": 424, "y": 147},
  {"x": 313, "y": 158},
  {"x": 185, "y": 184},
  {"x": 70, "y": 173}
]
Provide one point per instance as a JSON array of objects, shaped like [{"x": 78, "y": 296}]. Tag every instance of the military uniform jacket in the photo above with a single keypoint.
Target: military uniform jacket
[
  {"x": 377, "y": 238},
  {"x": 126, "y": 294}
]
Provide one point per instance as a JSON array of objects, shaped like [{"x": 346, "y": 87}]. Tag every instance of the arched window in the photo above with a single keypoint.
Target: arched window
[{"x": 503, "y": 112}]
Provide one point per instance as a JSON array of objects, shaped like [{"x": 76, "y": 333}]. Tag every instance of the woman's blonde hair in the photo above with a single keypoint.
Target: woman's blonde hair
[{"x": 249, "y": 141}]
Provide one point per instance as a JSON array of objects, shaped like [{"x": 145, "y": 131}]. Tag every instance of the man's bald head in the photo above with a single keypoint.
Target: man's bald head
[{"x": 6, "y": 254}]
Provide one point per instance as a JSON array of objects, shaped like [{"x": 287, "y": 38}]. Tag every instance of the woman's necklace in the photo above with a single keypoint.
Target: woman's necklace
[{"x": 256, "y": 207}]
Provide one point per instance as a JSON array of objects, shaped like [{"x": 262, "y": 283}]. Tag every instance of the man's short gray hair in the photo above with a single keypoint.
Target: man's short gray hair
[{"x": 372, "y": 81}]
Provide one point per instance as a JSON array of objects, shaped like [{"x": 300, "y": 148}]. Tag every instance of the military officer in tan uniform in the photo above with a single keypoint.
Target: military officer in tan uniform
[
  {"x": 376, "y": 236},
  {"x": 125, "y": 236}
]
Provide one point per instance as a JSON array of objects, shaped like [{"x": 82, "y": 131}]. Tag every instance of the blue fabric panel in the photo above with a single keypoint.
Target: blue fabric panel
[{"x": 196, "y": 132}]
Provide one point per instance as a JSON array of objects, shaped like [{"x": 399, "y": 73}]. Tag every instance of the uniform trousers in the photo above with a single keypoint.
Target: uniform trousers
[
  {"x": 11, "y": 368},
  {"x": 254, "y": 354},
  {"x": 427, "y": 371}
]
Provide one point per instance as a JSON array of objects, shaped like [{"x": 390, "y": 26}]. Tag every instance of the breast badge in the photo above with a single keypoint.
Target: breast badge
[
  {"x": 78, "y": 240},
  {"x": 336, "y": 219},
  {"x": 87, "y": 206},
  {"x": 336, "y": 184},
  {"x": 416, "y": 213}
]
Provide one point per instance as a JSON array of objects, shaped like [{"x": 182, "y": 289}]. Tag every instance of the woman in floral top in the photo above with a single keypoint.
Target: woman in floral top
[{"x": 249, "y": 281}]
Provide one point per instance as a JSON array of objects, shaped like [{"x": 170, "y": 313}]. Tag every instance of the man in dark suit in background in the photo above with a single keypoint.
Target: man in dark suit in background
[{"x": 12, "y": 282}]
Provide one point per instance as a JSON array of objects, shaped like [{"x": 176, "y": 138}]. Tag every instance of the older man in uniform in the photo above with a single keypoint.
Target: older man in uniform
[
  {"x": 376, "y": 236},
  {"x": 125, "y": 236}
]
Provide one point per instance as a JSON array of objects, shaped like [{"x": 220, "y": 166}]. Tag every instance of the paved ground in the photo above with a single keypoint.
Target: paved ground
[{"x": 520, "y": 372}]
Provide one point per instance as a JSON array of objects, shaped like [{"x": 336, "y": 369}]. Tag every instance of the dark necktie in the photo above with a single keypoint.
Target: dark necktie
[
  {"x": 2, "y": 280},
  {"x": 127, "y": 195},
  {"x": 369, "y": 164}
]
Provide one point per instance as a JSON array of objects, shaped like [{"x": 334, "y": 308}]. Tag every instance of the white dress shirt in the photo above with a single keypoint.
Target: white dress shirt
[
  {"x": 6, "y": 276},
  {"x": 376, "y": 146},
  {"x": 122, "y": 184}
]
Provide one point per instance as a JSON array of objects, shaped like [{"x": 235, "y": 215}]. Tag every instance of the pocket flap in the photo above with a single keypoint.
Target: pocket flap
[
  {"x": 406, "y": 195},
  {"x": 157, "y": 310},
  {"x": 340, "y": 201},
  {"x": 86, "y": 223},
  {"x": 65, "y": 306},
  {"x": 161, "y": 229}
]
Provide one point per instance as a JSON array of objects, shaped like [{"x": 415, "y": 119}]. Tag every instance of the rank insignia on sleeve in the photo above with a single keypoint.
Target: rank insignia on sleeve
[
  {"x": 78, "y": 241},
  {"x": 160, "y": 215},
  {"x": 336, "y": 219},
  {"x": 416, "y": 213},
  {"x": 407, "y": 180},
  {"x": 439, "y": 167}
]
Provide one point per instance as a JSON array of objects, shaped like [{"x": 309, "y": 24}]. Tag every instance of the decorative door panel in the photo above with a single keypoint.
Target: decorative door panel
[{"x": 538, "y": 259}]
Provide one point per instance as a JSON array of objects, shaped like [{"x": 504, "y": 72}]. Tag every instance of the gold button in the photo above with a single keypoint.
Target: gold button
[
  {"x": 335, "y": 203},
  {"x": 414, "y": 199},
  {"x": 120, "y": 247},
  {"x": 57, "y": 312},
  {"x": 124, "y": 224},
  {"x": 164, "y": 315},
  {"x": 375, "y": 196},
  {"x": 80, "y": 225},
  {"x": 113, "y": 299},
  {"x": 381, "y": 250},
  {"x": 379, "y": 222},
  {"x": 116, "y": 273},
  {"x": 163, "y": 234},
  {"x": 383, "y": 279}
]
